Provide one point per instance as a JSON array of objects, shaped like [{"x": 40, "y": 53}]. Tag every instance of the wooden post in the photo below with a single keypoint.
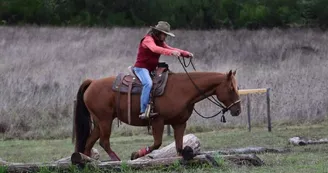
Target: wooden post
[
  {"x": 253, "y": 91},
  {"x": 268, "y": 109},
  {"x": 249, "y": 112}
]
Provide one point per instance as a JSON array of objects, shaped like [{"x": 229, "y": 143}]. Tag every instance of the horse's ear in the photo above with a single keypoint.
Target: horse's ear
[
  {"x": 229, "y": 74},
  {"x": 234, "y": 72}
]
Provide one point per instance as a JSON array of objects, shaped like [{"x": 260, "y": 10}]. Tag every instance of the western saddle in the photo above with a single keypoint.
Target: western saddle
[{"x": 129, "y": 83}]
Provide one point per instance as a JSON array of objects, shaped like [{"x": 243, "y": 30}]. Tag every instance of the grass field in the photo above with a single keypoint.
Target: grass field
[{"x": 301, "y": 159}]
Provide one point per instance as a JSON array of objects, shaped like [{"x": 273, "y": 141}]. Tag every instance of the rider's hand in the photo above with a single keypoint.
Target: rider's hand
[
  {"x": 188, "y": 55},
  {"x": 176, "y": 53}
]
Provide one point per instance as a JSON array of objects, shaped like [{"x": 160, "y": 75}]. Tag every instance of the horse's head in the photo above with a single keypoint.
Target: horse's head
[{"x": 227, "y": 93}]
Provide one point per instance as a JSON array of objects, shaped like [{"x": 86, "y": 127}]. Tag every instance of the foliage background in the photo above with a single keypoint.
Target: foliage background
[{"x": 191, "y": 14}]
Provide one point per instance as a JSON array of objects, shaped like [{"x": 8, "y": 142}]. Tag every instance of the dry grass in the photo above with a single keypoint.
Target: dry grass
[{"x": 42, "y": 68}]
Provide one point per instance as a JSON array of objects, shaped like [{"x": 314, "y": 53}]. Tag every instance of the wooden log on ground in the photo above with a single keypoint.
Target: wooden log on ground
[
  {"x": 170, "y": 151},
  {"x": 78, "y": 158},
  {"x": 247, "y": 150},
  {"x": 163, "y": 157},
  {"x": 35, "y": 167},
  {"x": 249, "y": 159},
  {"x": 64, "y": 160},
  {"x": 94, "y": 155},
  {"x": 305, "y": 141}
]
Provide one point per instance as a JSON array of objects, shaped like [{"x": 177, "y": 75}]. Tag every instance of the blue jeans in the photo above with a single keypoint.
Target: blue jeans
[{"x": 144, "y": 76}]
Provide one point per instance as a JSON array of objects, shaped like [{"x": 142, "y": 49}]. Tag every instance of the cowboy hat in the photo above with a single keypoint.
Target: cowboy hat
[{"x": 163, "y": 27}]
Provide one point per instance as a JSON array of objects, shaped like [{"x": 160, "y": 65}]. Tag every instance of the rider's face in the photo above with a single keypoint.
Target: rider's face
[{"x": 162, "y": 36}]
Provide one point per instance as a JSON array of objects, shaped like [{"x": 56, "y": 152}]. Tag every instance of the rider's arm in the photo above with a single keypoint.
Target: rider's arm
[
  {"x": 183, "y": 52},
  {"x": 149, "y": 42}
]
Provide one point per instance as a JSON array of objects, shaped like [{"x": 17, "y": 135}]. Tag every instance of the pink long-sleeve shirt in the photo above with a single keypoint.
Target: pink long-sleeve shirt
[{"x": 150, "y": 50}]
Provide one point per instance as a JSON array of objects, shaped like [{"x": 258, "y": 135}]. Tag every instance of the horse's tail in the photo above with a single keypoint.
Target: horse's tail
[{"x": 81, "y": 120}]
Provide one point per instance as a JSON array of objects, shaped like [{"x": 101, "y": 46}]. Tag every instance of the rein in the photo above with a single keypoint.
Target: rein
[{"x": 215, "y": 101}]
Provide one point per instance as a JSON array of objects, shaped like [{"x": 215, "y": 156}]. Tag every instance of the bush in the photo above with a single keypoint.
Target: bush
[{"x": 192, "y": 14}]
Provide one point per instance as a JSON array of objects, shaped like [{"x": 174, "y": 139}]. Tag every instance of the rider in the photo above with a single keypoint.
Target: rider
[{"x": 151, "y": 47}]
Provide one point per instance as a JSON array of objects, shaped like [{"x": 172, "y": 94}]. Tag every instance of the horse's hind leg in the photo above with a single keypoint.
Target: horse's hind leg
[
  {"x": 157, "y": 129},
  {"x": 94, "y": 136},
  {"x": 105, "y": 126}
]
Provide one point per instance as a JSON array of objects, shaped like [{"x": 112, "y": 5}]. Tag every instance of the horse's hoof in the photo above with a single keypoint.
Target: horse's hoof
[
  {"x": 134, "y": 155},
  {"x": 114, "y": 157},
  {"x": 188, "y": 153}
]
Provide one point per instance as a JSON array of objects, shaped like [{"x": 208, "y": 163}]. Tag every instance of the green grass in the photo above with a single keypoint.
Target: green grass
[{"x": 301, "y": 159}]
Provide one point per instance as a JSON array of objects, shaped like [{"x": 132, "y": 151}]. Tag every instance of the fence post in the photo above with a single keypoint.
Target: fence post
[
  {"x": 268, "y": 109},
  {"x": 249, "y": 112}
]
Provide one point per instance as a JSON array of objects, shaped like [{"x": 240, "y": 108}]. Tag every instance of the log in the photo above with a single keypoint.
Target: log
[
  {"x": 64, "y": 160},
  {"x": 170, "y": 151},
  {"x": 94, "y": 155},
  {"x": 250, "y": 159},
  {"x": 162, "y": 157},
  {"x": 79, "y": 158},
  {"x": 244, "y": 159},
  {"x": 300, "y": 141},
  {"x": 193, "y": 142},
  {"x": 247, "y": 150},
  {"x": 35, "y": 167}
]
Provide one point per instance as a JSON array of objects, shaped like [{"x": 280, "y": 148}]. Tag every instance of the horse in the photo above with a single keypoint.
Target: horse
[{"x": 98, "y": 104}]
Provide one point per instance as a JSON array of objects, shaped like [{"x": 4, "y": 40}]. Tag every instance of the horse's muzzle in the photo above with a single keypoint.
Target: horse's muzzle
[{"x": 235, "y": 112}]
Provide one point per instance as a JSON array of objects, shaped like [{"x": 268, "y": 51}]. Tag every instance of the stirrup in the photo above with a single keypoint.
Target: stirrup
[
  {"x": 143, "y": 116},
  {"x": 147, "y": 113},
  {"x": 150, "y": 115}
]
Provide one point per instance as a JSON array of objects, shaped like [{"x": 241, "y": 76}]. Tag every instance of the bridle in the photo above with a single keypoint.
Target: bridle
[{"x": 223, "y": 110}]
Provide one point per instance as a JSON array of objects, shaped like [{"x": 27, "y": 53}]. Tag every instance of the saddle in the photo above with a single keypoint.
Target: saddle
[{"x": 129, "y": 83}]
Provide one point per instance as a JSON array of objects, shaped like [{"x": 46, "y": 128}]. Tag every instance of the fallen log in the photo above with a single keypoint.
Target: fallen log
[
  {"x": 79, "y": 158},
  {"x": 249, "y": 159},
  {"x": 35, "y": 167},
  {"x": 193, "y": 142},
  {"x": 163, "y": 157},
  {"x": 247, "y": 150},
  {"x": 300, "y": 141},
  {"x": 189, "y": 140},
  {"x": 94, "y": 156}
]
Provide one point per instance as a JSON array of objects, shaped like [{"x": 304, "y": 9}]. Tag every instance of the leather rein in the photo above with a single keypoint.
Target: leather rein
[{"x": 223, "y": 110}]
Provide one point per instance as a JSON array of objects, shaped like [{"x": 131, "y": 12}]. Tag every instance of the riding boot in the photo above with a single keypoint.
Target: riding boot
[{"x": 148, "y": 113}]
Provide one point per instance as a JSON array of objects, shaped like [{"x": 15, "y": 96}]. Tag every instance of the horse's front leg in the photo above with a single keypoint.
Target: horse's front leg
[
  {"x": 178, "y": 136},
  {"x": 157, "y": 129}
]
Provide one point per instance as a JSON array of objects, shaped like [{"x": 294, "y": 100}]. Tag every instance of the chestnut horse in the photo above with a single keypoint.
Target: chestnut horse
[{"x": 96, "y": 101}]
